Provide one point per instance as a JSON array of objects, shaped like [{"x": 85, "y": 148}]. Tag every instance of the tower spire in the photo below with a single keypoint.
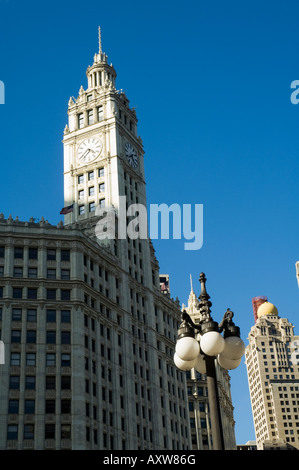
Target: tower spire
[
  {"x": 100, "y": 41},
  {"x": 191, "y": 283}
]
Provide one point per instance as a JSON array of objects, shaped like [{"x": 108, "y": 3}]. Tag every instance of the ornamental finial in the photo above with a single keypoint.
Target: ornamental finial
[{"x": 204, "y": 302}]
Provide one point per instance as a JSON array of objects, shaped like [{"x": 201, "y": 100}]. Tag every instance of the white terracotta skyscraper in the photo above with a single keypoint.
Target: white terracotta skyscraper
[{"x": 272, "y": 360}]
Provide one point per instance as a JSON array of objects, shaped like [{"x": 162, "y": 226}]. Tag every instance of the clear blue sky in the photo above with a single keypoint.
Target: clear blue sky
[{"x": 211, "y": 85}]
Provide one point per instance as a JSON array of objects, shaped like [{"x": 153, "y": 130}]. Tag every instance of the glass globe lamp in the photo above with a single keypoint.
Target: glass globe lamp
[
  {"x": 212, "y": 343},
  {"x": 228, "y": 364},
  {"x": 234, "y": 347},
  {"x": 200, "y": 364},
  {"x": 183, "y": 365},
  {"x": 187, "y": 348}
]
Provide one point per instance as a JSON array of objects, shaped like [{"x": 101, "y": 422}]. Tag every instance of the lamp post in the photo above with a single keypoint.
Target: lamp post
[{"x": 199, "y": 345}]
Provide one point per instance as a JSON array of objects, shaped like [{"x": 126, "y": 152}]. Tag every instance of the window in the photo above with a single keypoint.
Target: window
[
  {"x": 50, "y": 382},
  {"x": 16, "y": 314},
  {"x": 102, "y": 203},
  {"x": 80, "y": 120},
  {"x": 65, "y": 337},
  {"x": 101, "y": 172},
  {"x": 65, "y": 431},
  {"x": 65, "y": 294},
  {"x": 12, "y": 432},
  {"x": 1, "y": 271},
  {"x": 31, "y": 336},
  {"x": 65, "y": 382},
  {"x": 32, "y": 253},
  {"x": 65, "y": 274},
  {"x": 29, "y": 406},
  {"x": 65, "y": 360},
  {"x": 51, "y": 255},
  {"x": 32, "y": 273},
  {"x": 90, "y": 175},
  {"x": 30, "y": 359},
  {"x": 18, "y": 252},
  {"x": 14, "y": 382},
  {"x": 65, "y": 255},
  {"x": 81, "y": 210},
  {"x": 81, "y": 194},
  {"x": 30, "y": 382},
  {"x": 51, "y": 337},
  {"x": 91, "y": 191},
  {"x": 100, "y": 113},
  {"x": 17, "y": 292},
  {"x": 65, "y": 406},
  {"x": 17, "y": 272},
  {"x": 51, "y": 294},
  {"x": 16, "y": 336},
  {"x": 90, "y": 116},
  {"x": 92, "y": 207},
  {"x": 102, "y": 187},
  {"x": 28, "y": 431},
  {"x": 50, "y": 431},
  {"x": 15, "y": 359},
  {"x": 51, "y": 316},
  {"x": 50, "y": 406},
  {"x": 51, "y": 273},
  {"x": 2, "y": 251},
  {"x": 65, "y": 316},
  {"x": 50, "y": 360},
  {"x": 31, "y": 293},
  {"x": 80, "y": 179}
]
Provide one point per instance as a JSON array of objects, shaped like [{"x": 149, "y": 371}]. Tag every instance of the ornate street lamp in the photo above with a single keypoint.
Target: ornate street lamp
[{"x": 199, "y": 345}]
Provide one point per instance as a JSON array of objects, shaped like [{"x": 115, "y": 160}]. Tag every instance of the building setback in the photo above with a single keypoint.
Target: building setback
[
  {"x": 89, "y": 336},
  {"x": 272, "y": 360}
]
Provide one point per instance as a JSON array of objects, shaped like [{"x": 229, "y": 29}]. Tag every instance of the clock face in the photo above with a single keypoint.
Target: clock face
[
  {"x": 89, "y": 150},
  {"x": 131, "y": 155}
]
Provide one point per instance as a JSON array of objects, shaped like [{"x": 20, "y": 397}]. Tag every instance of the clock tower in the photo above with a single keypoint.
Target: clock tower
[{"x": 103, "y": 155}]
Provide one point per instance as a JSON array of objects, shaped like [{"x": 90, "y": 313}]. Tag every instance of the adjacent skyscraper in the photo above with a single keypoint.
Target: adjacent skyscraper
[
  {"x": 272, "y": 360},
  {"x": 89, "y": 336}
]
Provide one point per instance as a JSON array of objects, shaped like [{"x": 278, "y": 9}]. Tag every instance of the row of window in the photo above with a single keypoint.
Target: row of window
[
  {"x": 29, "y": 406},
  {"x": 28, "y": 432},
  {"x": 92, "y": 206},
  {"x": 30, "y": 382},
  {"x": 16, "y": 336},
  {"x": 33, "y": 253},
  {"x": 91, "y": 191},
  {"x": 31, "y": 293},
  {"x": 18, "y": 271},
  {"x": 91, "y": 175},
  {"x": 90, "y": 114},
  {"x": 30, "y": 359},
  {"x": 31, "y": 315}
]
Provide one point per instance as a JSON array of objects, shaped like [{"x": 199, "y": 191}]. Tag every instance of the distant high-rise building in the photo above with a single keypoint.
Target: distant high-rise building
[
  {"x": 272, "y": 360},
  {"x": 297, "y": 271},
  {"x": 89, "y": 336}
]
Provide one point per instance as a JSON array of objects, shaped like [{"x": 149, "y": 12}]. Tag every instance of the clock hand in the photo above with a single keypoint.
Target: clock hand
[{"x": 85, "y": 153}]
